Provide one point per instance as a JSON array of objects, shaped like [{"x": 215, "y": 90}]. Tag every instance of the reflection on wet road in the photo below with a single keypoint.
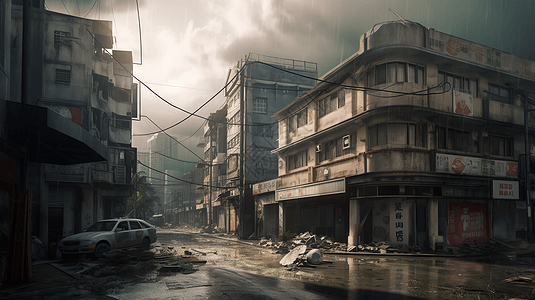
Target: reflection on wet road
[{"x": 230, "y": 267}]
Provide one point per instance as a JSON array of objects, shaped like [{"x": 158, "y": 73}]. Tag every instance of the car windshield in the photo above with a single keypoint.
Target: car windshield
[{"x": 102, "y": 226}]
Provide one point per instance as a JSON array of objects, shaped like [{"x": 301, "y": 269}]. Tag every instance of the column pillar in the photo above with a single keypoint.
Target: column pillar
[
  {"x": 432, "y": 223},
  {"x": 354, "y": 220}
]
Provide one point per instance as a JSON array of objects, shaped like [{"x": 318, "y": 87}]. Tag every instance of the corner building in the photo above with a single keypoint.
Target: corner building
[{"x": 415, "y": 140}]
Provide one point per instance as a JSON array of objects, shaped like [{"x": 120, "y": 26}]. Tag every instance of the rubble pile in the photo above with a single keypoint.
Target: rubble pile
[
  {"x": 473, "y": 248},
  {"x": 212, "y": 229},
  {"x": 312, "y": 241},
  {"x": 324, "y": 243}
]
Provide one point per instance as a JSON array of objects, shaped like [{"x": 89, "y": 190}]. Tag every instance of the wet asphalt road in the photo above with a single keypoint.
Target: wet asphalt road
[{"x": 237, "y": 270}]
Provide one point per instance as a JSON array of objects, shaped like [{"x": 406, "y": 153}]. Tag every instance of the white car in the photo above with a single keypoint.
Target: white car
[{"x": 106, "y": 235}]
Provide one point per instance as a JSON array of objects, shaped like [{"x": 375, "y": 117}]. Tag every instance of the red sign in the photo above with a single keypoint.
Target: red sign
[{"x": 467, "y": 222}]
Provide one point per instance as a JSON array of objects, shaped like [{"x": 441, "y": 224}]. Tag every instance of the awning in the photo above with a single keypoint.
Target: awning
[{"x": 51, "y": 138}]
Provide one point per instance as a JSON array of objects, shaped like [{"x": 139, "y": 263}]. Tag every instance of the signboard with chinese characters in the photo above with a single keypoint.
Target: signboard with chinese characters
[
  {"x": 505, "y": 189},
  {"x": 467, "y": 221},
  {"x": 336, "y": 186},
  {"x": 467, "y": 165},
  {"x": 463, "y": 103},
  {"x": 459, "y": 48},
  {"x": 399, "y": 222},
  {"x": 265, "y": 187}
]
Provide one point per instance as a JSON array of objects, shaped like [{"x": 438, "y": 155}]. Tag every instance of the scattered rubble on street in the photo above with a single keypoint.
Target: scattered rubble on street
[
  {"x": 327, "y": 245},
  {"x": 107, "y": 273}
]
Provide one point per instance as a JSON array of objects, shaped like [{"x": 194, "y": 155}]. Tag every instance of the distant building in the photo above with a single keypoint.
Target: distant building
[
  {"x": 256, "y": 88},
  {"x": 414, "y": 140}
]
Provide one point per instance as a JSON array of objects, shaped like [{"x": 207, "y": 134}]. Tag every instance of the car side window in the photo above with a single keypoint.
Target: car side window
[
  {"x": 122, "y": 226},
  {"x": 145, "y": 225},
  {"x": 134, "y": 225}
]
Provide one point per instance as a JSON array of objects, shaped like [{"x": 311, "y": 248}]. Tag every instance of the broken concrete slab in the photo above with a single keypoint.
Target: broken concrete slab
[{"x": 293, "y": 255}]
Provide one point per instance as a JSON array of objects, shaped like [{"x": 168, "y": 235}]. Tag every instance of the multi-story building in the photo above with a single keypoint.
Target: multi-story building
[
  {"x": 415, "y": 139},
  {"x": 69, "y": 134},
  {"x": 163, "y": 152},
  {"x": 257, "y": 87},
  {"x": 214, "y": 144}
]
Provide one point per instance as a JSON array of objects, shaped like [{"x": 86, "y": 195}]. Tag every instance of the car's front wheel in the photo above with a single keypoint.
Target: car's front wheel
[
  {"x": 101, "y": 249},
  {"x": 145, "y": 245}
]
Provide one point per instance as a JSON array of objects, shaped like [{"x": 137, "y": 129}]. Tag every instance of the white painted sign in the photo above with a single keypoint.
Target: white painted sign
[{"x": 505, "y": 189}]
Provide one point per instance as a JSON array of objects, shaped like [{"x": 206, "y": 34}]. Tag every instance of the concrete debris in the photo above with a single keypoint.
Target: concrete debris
[
  {"x": 293, "y": 255},
  {"x": 212, "y": 229},
  {"x": 474, "y": 248},
  {"x": 324, "y": 243},
  {"x": 314, "y": 257},
  {"x": 519, "y": 280},
  {"x": 136, "y": 261}
]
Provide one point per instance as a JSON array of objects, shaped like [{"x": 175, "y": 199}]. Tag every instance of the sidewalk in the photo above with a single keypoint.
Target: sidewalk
[{"x": 48, "y": 281}]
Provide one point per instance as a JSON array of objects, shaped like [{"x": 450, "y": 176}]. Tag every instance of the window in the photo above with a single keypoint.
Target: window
[
  {"x": 397, "y": 134},
  {"x": 458, "y": 83},
  {"x": 63, "y": 76},
  {"x": 234, "y": 142},
  {"x": 298, "y": 120},
  {"x": 260, "y": 106},
  {"x": 234, "y": 121},
  {"x": 335, "y": 148},
  {"x": 297, "y": 160},
  {"x": 62, "y": 37},
  {"x": 393, "y": 72},
  {"x": 331, "y": 103},
  {"x": 499, "y": 93},
  {"x": 501, "y": 146},
  {"x": 262, "y": 130},
  {"x": 458, "y": 140},
  {"x": 232, "y": 163},
  {"x": 134, "y": 225}
]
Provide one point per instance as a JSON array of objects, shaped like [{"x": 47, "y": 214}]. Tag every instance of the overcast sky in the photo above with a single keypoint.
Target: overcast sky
[{"x": 189, "y": 45}]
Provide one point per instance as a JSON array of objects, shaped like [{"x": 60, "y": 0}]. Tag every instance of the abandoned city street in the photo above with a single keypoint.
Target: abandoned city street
[{"x": 186, "y": 263}]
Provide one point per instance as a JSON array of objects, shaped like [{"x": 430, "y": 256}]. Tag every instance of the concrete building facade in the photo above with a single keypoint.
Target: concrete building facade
[
  {"x": 415, "y": 140},
  {"x": 67, "y": 136}
]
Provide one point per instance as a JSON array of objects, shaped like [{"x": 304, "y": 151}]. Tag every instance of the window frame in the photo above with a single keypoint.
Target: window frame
[
  {"x": 260, "y": 105},
  {"x": 331, "y": 103},
  {"x": 491, "y": 95},
  {"x": 396, "y": 72},
  {"x": 335, "y": 148},
  {"x": 506, "y": 145},
  {"x": 459, "y": 83},
  {"x": 63, "y": 75},
  {"x": 415, "y": 134},
  {"x": 453, "y": 139},
  {"x": 292, "y": 160},
  {"x": 298, "y": 120}
]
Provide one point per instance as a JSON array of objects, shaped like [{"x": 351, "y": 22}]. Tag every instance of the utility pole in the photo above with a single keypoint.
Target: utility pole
[
  {"x": 242, "y": 154},
  {"x": 527, "y": 176}
]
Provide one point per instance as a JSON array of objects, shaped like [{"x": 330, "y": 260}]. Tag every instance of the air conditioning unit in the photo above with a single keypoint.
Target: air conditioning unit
[
  {"x": 346, "y": 142},
  {"x": 318, "y": 148}
]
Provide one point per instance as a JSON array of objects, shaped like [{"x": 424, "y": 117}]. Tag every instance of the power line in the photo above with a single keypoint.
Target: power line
[
  {"x": 91, "y": 8},
  {"x": 65, "y": 7},
  {"x": 193, "y": 183}
]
